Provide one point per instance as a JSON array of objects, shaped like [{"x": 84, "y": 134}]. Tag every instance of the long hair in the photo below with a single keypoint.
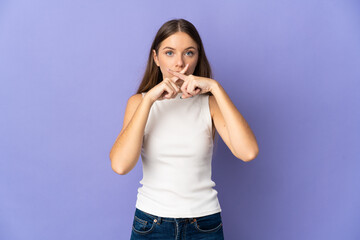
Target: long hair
[{"x": 153, "y": 75}]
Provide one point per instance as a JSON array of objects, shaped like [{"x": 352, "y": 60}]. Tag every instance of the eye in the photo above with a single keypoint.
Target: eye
[
  {"x": 192, "y": 53},
  {"x": 168, "y": 52}
]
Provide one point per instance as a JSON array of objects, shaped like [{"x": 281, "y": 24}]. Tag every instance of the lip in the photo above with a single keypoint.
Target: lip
[{"x": 178, "y": 70}]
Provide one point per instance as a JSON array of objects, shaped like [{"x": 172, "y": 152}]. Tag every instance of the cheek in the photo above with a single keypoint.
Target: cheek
[
  {"x": 164, "y": 65},
  {"x": 165, "y": 73},
  {"x": 195, "y": 62},
  {"x": 193, "y": 66},
  {"x": 164, "y": 61}
]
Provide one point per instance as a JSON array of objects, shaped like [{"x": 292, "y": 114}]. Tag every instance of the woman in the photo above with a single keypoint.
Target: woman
[{"x": 171, "y": 121}]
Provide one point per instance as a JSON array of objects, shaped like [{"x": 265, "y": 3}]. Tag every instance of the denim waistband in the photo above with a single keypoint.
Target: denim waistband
[{"x": 168, "y": 219}]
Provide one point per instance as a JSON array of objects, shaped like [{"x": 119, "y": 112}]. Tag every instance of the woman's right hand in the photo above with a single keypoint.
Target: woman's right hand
[{"x": 166, "y": 89}]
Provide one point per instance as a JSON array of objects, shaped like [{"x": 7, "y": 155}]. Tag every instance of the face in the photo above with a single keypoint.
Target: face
[{"x": 175, "y": 52}]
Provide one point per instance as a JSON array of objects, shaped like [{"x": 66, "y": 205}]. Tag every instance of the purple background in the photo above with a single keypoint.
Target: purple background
[{"x": 292, "y": 69}]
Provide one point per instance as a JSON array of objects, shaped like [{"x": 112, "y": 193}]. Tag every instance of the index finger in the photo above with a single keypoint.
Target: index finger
[
  {"x": 175, "y": 79},
  {"x": 185, "y": 69},
  {"x": 179, "y": 75}
]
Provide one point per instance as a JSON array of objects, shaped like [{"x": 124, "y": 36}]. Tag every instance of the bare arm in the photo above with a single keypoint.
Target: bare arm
[
  {"x": 232, "y": 126},
  {"x": 127, "y": 147}
]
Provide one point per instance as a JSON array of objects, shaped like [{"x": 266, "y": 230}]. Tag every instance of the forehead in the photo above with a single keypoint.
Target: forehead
[{"x": 178, "y": 40}]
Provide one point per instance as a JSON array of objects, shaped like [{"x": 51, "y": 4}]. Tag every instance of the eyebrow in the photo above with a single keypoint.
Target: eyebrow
[{"x": 174, "y": 48}]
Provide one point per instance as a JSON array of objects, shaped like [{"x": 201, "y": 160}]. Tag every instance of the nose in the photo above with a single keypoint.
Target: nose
[{"x": 180, "y": 62}]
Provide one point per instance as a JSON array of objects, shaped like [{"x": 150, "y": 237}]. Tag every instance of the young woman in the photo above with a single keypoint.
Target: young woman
[{"x": 171, "y": 121}]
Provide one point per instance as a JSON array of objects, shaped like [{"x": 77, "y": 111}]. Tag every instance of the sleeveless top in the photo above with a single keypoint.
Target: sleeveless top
[{"x": 176, "y": 156}]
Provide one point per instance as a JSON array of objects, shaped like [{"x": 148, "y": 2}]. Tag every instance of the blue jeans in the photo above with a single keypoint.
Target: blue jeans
[{"x": 148, "y": 226}]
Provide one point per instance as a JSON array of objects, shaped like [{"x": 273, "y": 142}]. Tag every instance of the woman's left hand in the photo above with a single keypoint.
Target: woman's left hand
[{"x": 193, "y": 85}]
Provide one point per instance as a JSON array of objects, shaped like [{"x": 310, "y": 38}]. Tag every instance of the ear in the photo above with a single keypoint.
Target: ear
[{"x": 155, "y": 58}]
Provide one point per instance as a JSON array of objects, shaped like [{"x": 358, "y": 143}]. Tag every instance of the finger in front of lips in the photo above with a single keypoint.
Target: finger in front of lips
[{"x": 179, "y": 75}]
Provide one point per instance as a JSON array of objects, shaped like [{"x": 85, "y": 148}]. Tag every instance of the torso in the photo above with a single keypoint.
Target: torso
[{"x": 176, "y": 179}]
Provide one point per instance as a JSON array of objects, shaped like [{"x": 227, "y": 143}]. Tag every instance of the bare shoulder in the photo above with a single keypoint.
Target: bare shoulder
[
  {"x": 135, "y": 99},
  {"x": 132, "y": 104}
]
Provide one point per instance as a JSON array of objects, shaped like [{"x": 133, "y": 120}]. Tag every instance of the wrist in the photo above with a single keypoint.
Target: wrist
[
  {"x": 148, "y": 99},
  {"x": 214, "y": 86}
]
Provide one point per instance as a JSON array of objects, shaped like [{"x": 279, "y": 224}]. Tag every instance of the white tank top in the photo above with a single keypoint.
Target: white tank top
[{"x": 176, "y": 157}]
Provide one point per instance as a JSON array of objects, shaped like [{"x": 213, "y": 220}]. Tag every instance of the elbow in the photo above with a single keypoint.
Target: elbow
[
  {"x": 251, "y": 156},
  {"x": 248, "y": 159},
  {"x": 118, "y": 169}
]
